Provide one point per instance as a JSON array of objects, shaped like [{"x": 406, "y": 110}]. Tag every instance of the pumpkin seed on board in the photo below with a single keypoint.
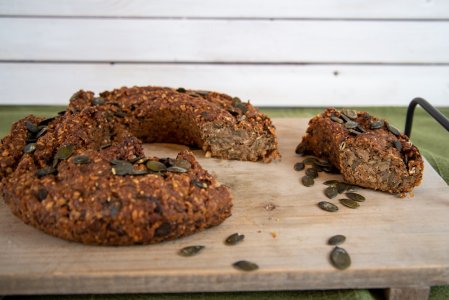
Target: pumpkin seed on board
[
  {"x": 331, "y": 192},
  {"x": 29, "y": 148},
  {"x": 336, "y": 240},
  {"x": 310, "y": 160},
  {"x": 191, "y": 250},
  {"x": 340, "y": 259},
  {"x": 234, "y": 239},
  {"x": 307, "y": 181},
  {"x": 81, "y": 159},
  {"x": 394, "y": 130},
  {"x": 341, "y": 187},
  {"x": 299, "y": 166},
  {"x": 355, "y": 197},
  {"x": 349, "y": 203},
  {"x": 245, "y": 265},
  {"x": 377, "y": 124},
  {"x": 327, "y": 206},
  {"x": 331, "y": 182},
  {"x": 312, "y": 172}
]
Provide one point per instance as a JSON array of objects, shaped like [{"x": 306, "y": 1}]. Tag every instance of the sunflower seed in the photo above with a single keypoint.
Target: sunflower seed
[
  {"x": 81, "y": 159},
  {"x": 181, "y": 90},
  {"x": 245, "y": 265},
  {"x": 336, "y": 240},
  {"x": 394, "y": 130},
  {"x": 351, "y": 124},
  {"x": 349, "y": 203},
  {"x": 176, "y": 169},
  {"x": 234, "y": 239},
  {"x": 63, "y": 153},
  {"x": 355, "y": 197},
  {"x": 98, "y": 101},
  {"x": 312, "y": 172},
  {"x": 307, "y": 181},
  {"x": 199, "y": 184},
  {"x": 331, "y": 192},
  {"x": 182, "y": 163},
  {"x": 45, "y": 171},
  {"x": 397, "y": 144},
  {"x": 299, "y": 166},
  {"x": 377, "y": 124},
  {"x": 352, "y": 114},
  {"x": 327, "y": 206},
  {"x": 156, "y": 166},
  {"x": 29, "y": 148},
  {"x": 340, "y": 258},
  {"x": 337, "y": 119},
  {"x": 191, "y": 250},
  {"x": 331, "y": 182}
]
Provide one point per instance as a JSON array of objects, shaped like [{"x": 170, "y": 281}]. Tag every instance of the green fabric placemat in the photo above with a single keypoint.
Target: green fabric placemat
[{"x": 427, "y": 134}]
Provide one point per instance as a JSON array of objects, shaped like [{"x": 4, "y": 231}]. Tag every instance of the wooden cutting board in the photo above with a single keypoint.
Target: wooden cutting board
[{"x": 393, "y": 242}]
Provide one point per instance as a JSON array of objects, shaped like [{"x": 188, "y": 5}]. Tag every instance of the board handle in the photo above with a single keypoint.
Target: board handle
[{"x": 435, "y": 113}]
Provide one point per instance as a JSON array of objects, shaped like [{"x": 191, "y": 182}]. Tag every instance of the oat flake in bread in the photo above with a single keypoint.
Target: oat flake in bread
[
  {"x": 368, "y": 151},
  {"x": 83, "y": 176}
]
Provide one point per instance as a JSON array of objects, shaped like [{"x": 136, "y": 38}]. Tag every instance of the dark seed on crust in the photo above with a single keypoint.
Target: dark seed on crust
[
  {"x": 63, "y": 153},
  {"x": 41, "y": 132},
  {"x": 120, "y": 114},
  {"x": 104, "y": 146},
  {"x": 331, "y": 192},
  {"x": 182, "y": 163},
  {"x": 355, "y": 197},
  {"x": 394, "y": 130},
  {"x": 397, "y": 144},
  {"x": 46, "y": 121},
  {"x": 176, "y": 169},
  {"x": 312, "y": 172},
  {"x": 234, "y": 239},
  {"x": 156, "y": 166},
  {"x": 340, "y": 258},
  {"x": 299, "y": 166},
  {"x": 352, "y": 114},
  {"x": 29, "y": 148},
  {"x": 45, "y": 171},
  {"x": 98, "y": 101},
  {"x": 307, "y": 181},
  {"x": 337, "y": 119},
  {"x": 181, "y": 90},
  {"x": 61, "y": 113},
  {"x": 31, "y": 127},
  {"x": 300, "y": 149},
  {"x": 81, "y": 159},
  {"x": 41, "y": 194},
  {"x": 336, "y": 240},
  {"x": 191, "y": 250},
  {"x": 349, "y": 203},
  {"x": 310, "y": 160},
  {"x": 245, "y": 265},
  {"x": 202, "y": 93},
  {"x": 355, "y": 132},
  {"x": 138, "y": 172},
  {"x": 163, "y": 230},
  {"x": 327, "y": 206},
  {"x": 377, "y": 124},
  {"x": 351, "y": 124},
  {"x": 199, "y": 184}
]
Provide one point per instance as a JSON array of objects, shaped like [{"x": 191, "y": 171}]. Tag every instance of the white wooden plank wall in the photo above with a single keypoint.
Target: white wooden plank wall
[{"x": 275, "y": 53}]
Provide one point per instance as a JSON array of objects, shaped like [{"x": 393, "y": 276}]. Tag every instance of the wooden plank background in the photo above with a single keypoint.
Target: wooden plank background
[{"x": 275, "y": 53}]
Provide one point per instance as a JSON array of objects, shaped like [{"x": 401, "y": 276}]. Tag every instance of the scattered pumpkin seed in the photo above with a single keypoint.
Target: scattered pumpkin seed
[
  {"x": 181, "y": 90},
  {"x": 310, "y": 160},
  {"x": 41, "y": 194},
  {"x": 352, "y": 114},
  {"x": 299, "y": 166},
  {"x": 182, "y": 163},
  {"x": 340, "y": 258},
  {"x": 394, "y": 130},
  {"x": 336, "y": 240},
  {"x": 322, "y": 163},
  {"x": 98, "y": 101},
  {"x": 191, "y": 250},
  {"x": 337, "y": 119},
  {"x": 377, "y": 124},
  {"x": 234, "y": 239},
  {"x": 175, "y": 169},
  {"x": 355, "y": 197},
  {"x": 351, "y": 124},
  {"x": 331, "y": 192},
  {"x": 45, "y": 171},
  {"x": 199, "y": 184},
  {"x": 349, "y": 203},
  {"x": 331, "y": 182},
  {"x": 327, "y": 206},
  {"x": 156, "y": 166},
  {"x": 341, "y": 187},
  {"x": 307, "y": 181},
  {"x": 29, "y": 148},
  {"x": 81, "y": 159},
  {"x": 31, "y": 127},
  {"x": 312, "y": 172},
  {"x": 63, "y": 153},
  {"x": 245, "y": 265},
  {"x": 397, "y": 144}
]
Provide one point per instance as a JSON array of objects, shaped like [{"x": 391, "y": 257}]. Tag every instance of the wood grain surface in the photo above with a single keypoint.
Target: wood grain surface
[{"x": 393, "y": 242}]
